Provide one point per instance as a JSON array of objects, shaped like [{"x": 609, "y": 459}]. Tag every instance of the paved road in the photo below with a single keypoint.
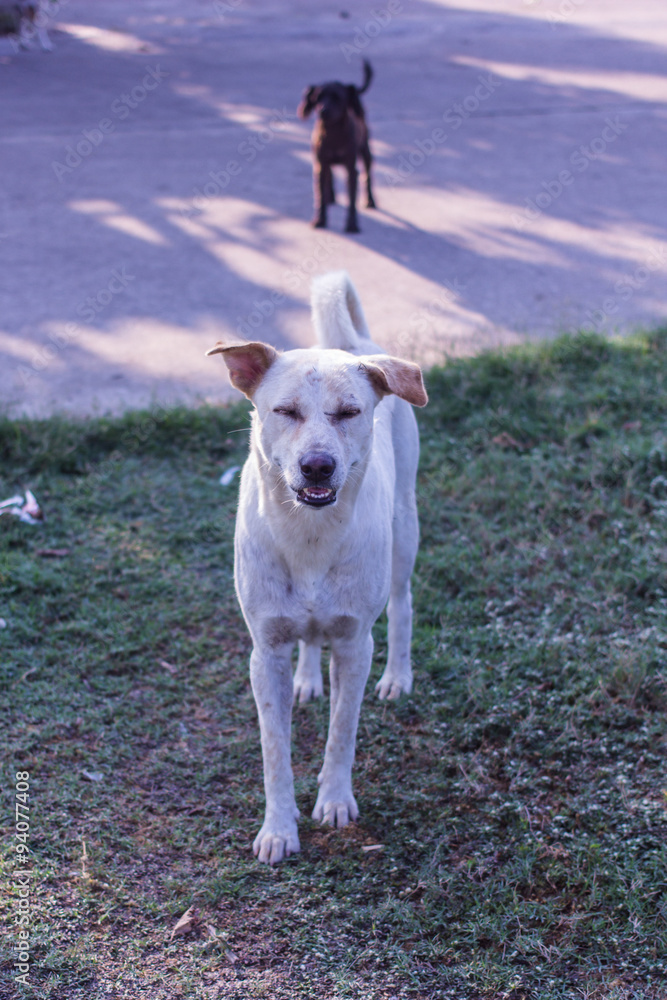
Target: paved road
[{"x": 157, "y": 184}]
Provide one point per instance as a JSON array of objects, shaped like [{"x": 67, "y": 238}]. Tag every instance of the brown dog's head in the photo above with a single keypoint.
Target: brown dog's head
[
  {"x": 334, "y": 100},
  {"x": 331, "y": 100}
]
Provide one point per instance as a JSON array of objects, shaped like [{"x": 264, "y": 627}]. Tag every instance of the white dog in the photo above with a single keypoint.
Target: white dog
[{"x": 326, "y": 533}]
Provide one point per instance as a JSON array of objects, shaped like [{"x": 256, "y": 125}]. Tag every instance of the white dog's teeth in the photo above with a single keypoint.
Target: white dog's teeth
[{"x": 317, "y": 492}]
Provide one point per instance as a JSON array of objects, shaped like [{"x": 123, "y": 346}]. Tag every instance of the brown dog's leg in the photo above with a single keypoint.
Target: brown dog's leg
[
  {"x": 368, "y": 159},
  {"x": 322, "y": 182},
  {"x": 331, "y": 193},
  {"x": 352, "y": 225}
]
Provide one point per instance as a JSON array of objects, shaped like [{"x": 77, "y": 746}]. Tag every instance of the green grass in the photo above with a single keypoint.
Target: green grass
[{"x": 519, "y": 794}]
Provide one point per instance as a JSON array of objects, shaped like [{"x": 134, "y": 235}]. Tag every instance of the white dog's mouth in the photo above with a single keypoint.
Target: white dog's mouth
[{"x": 316, "y": 496}]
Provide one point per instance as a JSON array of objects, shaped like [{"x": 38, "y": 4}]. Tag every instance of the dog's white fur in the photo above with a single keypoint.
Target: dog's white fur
[{"x": 324, "y": 574}]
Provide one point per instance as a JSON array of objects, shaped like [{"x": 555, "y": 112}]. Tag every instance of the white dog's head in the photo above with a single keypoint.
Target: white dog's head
[{"x": 314, "y": 409}]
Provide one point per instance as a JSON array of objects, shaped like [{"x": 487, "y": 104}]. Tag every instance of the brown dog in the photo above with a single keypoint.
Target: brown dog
[
  {"x": 22, "y": 21},
  {"x": 340, "y": 136}
]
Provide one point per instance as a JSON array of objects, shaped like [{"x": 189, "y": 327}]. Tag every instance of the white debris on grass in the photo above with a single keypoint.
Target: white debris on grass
[
  {"x": 228, "y": 475},
  {"x": 25, "y": 508}
]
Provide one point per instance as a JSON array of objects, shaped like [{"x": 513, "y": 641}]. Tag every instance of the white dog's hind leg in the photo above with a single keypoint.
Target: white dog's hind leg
[
  {"x": 308, "y": 675},
  {"x": 397, "y": 677},
  {"x": 271, "y": 678},
  {"x": 350, "y": 666}
]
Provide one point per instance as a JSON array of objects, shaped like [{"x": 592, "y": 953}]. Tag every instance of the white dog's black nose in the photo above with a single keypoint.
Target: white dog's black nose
[{"x": 317, "y": 466}]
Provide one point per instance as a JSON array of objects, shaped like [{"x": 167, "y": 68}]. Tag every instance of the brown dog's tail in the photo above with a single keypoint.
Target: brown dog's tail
[{"x": 368, "y": 76}]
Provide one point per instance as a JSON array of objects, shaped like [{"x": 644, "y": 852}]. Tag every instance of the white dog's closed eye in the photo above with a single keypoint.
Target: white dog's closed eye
[
  {"x": 345, "y": 413},
  {"x": 291, "y": 412},
  {"x": 326, "y": 533}
]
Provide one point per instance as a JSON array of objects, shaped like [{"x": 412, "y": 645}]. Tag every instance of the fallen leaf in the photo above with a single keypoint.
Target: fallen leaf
[
  {"x": 185, "y": 924},
  {"x": 505, "y": 440},
  {"x": 596, "y": 517},
  {"x": 168, "y": 666},
  {"x": 24, "y": 676}
]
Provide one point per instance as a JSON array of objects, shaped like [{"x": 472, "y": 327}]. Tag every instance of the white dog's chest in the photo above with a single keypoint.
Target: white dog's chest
[
  {"x": 316, "y": 609},
  {"x": 278, "y": 630}
]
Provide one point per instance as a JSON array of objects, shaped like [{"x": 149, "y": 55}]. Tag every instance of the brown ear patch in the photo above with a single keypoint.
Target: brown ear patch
[
  {"x": 403, "y": 378},
  {"x": 248, "y": 362}
]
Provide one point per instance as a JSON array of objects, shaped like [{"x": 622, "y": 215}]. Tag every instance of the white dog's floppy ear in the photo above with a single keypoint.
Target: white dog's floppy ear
[
  {"x": 248, "y": 362},
  {"x": 403, "y": 378}
]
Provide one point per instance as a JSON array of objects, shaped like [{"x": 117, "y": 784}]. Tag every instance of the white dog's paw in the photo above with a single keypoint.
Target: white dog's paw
[
  {"x": 335, "y": 809},
  {"x": 392, "y": 686},
  {"x": 275, "y": 842},
  {"x": 307, "y": 685}
]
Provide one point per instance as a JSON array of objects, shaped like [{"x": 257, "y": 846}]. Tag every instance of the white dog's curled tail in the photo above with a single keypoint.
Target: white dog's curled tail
[{"x": 338, "y": 318}]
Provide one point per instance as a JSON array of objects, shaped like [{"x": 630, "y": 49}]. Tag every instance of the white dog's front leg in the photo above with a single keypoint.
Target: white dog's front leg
[
  {"x": 271, "y": 678},
  {"x": 350, "y": 666}
]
